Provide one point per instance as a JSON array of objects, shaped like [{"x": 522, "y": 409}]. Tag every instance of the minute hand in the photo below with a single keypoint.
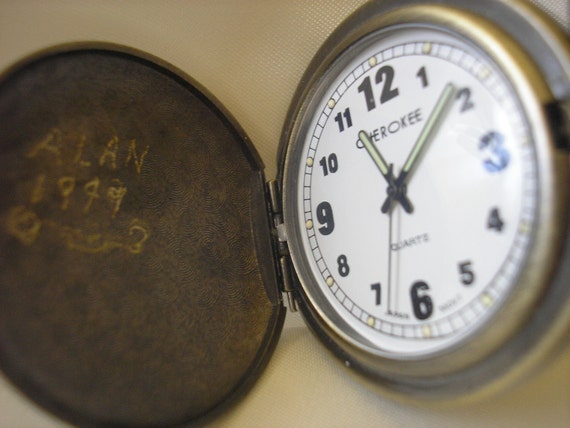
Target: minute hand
[{"x": 427, "y": 134}]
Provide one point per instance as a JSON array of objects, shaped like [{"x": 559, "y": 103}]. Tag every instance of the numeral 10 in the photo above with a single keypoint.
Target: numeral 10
[{"x": 329, "y": 164}]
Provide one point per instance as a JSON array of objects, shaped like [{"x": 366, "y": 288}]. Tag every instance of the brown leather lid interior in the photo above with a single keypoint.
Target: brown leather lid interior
[{"x": 132, "y": 288}]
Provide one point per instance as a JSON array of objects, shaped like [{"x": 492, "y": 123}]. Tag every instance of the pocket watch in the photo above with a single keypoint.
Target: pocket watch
[
  {"x": 425, "y": 185},
  {"x": 419, "y": 219}
]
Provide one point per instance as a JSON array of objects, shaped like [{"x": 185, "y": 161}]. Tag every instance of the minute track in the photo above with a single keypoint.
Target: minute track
[{"x": 327, "y": 139}]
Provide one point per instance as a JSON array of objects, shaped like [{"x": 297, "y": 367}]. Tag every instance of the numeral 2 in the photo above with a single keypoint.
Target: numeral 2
[
  {"x": 387, "y": 91},
  {"x": 464, "y": 94}
]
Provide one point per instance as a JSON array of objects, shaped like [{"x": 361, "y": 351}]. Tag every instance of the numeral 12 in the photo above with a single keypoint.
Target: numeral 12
[{"x": 383, "y": 75}]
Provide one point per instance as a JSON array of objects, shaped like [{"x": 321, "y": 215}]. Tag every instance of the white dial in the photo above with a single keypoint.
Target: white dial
[{"x": 417, "y": 191}]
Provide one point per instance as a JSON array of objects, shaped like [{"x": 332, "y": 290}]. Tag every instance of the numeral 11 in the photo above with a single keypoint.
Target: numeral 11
[{"x": 343, "y": 117}]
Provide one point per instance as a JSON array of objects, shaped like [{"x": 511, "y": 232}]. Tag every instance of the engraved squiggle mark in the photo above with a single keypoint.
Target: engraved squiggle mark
[{"x": 25, "y": 225}]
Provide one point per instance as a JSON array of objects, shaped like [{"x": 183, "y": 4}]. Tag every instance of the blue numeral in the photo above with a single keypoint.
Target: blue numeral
[{"x": 498, "y": 156}]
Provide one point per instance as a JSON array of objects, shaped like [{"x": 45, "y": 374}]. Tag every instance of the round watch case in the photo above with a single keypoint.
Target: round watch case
[
  {"x": 534, "y": 321},
  {"x": 142, "y": 250}
]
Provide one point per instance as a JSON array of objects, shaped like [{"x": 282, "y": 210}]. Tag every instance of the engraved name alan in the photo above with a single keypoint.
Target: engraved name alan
[{"x": 68, "y": 153}]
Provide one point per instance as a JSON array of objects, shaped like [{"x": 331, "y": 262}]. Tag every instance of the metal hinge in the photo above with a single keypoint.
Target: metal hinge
[
  {"x": 279, "y": 234},
  {"x": 558, "y": 113}
]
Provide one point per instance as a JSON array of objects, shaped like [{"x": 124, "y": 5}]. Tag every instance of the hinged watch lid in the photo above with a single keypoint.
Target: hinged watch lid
[{"x": 137, "y": 281}]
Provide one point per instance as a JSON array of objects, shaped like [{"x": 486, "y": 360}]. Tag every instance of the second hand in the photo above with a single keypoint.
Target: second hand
[{"x": 389, "y": 291}]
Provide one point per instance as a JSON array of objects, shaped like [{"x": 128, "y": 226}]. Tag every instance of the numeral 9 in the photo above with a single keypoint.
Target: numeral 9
[{"x": 325, "y": 217}]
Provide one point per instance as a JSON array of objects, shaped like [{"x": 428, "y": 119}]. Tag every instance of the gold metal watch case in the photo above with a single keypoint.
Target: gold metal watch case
[{"x": 535, "y": 318}]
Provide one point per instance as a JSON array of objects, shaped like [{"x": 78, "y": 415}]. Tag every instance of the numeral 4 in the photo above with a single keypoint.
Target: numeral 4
[{"x": 495, "y": 220}]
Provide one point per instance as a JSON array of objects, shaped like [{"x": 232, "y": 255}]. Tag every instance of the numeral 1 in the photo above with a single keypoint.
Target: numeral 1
[
  {"x": 366, "y": 88},
  {"x": 377, "y": 288},
  {"x": 422, "y": 74}
]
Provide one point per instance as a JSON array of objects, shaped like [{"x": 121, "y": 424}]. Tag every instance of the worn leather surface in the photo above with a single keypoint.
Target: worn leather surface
[{"x": 130, "y": 286}]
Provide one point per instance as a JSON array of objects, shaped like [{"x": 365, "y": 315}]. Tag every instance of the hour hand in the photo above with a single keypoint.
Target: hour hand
[
  {"x": 376, "y": 156},
  {"x": 394, "y": 191}
]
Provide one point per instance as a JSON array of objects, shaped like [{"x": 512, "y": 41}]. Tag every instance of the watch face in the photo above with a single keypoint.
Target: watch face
[{"x": 415, "y": 191}]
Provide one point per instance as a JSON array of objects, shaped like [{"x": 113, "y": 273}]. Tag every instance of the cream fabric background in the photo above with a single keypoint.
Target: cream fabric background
[{"x": 250, "y": 55}]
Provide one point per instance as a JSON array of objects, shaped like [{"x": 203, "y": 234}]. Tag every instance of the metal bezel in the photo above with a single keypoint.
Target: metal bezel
[{"x": 535, "y": 315}]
